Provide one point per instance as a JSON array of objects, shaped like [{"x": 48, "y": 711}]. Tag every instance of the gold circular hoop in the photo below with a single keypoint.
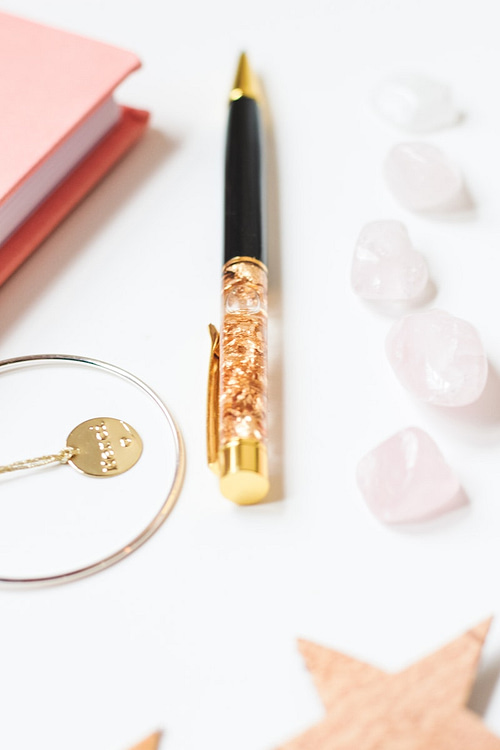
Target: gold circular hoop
[{"x": 76, "y": 574}]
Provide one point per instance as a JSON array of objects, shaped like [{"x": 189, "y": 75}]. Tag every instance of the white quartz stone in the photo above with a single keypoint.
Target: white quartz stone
[
  {"x": 422, "y": 178},
  {"x": 385, "y": 265},
  {"x": 416, "y": 103}
]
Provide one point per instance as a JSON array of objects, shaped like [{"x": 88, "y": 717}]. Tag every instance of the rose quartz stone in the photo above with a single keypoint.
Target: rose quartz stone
[
  {"x": 385, "y": 265},
  {"x": 422, "y": 178},
  {"x": 406, "y": 479},
  {"x": 438, "y": 357}
]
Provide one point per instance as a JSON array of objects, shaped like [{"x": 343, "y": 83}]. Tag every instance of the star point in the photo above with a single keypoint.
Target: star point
[
  {"x": 421, "y": 707},
  {"x": 334, "y": 673},
  {"x": 150, "y": 743}
]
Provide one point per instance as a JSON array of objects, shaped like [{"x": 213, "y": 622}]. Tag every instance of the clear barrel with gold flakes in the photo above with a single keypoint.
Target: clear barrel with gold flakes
[{"x": 242, "y": 428}]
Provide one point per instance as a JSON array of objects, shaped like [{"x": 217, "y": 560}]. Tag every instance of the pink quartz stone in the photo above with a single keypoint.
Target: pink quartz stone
[
  {"x": 385, "y": 265},
  {"x": 406, "y": 479},
  {"x": 438, "y": 357},
  {"x": 422, "y": 178}
]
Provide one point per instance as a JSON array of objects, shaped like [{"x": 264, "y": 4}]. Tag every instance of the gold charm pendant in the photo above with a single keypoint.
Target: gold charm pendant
[
  {"x": 104, "y": 447},
  {"x": 100, "y": 447}
]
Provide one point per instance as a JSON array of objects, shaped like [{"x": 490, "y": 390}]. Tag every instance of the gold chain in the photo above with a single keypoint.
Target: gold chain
[{"x": 33, "y": 463}]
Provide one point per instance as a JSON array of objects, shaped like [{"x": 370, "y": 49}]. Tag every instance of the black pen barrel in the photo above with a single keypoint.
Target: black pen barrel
[{"x": 243, "y": 226}]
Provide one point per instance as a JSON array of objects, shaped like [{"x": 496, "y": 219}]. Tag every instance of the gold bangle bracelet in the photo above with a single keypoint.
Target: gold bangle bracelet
[{"x": 173, "y": 491}]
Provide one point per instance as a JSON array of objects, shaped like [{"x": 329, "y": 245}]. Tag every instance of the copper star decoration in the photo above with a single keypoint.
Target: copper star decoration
[
  {"x": 421, "y": 708},
  {"x": 151, "y": 743}
]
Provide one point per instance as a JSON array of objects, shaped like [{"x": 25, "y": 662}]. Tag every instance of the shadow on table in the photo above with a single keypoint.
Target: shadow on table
[
  {"x": 483, "y": 412},
  {"x": 484, "y": 687},
  {"x": 276, "y": 326},
  {"x": 76, "y": 231}
]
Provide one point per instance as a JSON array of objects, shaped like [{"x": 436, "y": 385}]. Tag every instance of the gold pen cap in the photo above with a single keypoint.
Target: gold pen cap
[{"x": 243, "y": 471}]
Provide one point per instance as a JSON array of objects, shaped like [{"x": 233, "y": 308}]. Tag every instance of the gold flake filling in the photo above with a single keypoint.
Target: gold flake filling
[{"x": 243, "y": 354}]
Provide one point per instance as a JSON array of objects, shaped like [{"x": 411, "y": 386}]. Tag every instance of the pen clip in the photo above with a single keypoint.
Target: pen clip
[{"x": 213, "y": 402}]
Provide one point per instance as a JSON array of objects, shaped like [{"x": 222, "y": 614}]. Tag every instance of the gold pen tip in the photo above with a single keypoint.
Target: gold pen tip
[{"x": 245, "y": 83}]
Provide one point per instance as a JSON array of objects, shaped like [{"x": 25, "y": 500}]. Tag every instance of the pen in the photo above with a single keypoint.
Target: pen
[{"x": 237, "y": 385}]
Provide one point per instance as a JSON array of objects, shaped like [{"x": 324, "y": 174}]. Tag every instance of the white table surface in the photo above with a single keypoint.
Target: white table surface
[{"x": 196, "y": 633}]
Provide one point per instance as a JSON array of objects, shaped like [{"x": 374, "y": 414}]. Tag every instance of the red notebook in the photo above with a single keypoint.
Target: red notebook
[{"x": 60, "y": 128}]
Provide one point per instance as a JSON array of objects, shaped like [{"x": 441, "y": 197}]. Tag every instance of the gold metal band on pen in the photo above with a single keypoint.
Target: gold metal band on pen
[{"x": 246, "y": 259}]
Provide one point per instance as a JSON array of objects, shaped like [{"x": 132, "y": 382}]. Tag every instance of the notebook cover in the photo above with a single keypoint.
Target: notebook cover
[
  {"x": 71, "y": 191},
  {"x": 50, "y": 81}
]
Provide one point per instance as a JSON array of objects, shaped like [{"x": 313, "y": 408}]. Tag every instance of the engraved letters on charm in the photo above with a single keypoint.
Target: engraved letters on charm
[{"x": 108, "y": 460}]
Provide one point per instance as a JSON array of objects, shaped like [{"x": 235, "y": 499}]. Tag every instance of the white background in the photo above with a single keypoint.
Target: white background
[{"x": 196, "y": 632}]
